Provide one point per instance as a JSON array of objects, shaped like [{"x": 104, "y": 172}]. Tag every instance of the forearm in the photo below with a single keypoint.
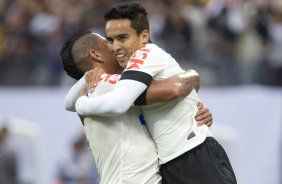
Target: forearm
[
  {"x": 190, "y": 81},
  {"x": 173, "y": 87},
  {"x": 73, "y": 95},
  {"x": 159, "y": 91}
]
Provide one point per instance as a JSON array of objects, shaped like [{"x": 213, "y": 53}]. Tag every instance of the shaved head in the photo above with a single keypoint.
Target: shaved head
[
  {"x": 81, "y": 49},
  {"x": 83, "y": 52}
]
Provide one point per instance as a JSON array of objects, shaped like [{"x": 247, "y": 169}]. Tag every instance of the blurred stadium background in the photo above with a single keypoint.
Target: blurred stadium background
[{"x": 235, "y": 45}]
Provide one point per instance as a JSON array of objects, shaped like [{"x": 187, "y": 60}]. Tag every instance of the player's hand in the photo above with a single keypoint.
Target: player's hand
[
  {"x": 183, "y": 84},
  {"x": 190, "y": 80},
  {"x": 83, "y": 92},
  {"x": 92, "y": 77},
  {"x": 203, "y": 115}
]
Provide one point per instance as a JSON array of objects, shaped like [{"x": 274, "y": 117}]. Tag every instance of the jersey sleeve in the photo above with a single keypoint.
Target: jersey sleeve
[
  {"x": 73, "y": 95},
  {"x": 151, "y": 60},
  {"x": 113, "y": 103},
  {"x": 148, "y": 61}
]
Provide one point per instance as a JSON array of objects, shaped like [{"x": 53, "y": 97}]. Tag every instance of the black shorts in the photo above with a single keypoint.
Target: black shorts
[{"x": 208, "y": 163}]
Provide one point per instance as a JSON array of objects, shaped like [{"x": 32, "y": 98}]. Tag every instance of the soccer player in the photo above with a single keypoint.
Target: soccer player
[
  {"x": 187, "y": 153},
  {"x": 110, "y": 138},
  {"x": 118, "y": 143}
]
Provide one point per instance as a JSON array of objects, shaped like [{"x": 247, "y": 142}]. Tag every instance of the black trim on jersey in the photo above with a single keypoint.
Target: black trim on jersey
[
  {"x": 141, "y": 100},
  {"x": 141, "y": 77},
  {"x": 137, "y": 76}
]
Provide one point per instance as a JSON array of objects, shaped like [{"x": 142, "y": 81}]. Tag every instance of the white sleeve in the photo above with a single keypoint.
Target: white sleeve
[
  {"x": 113, "y": 103},
  {"x": 73, "y": 94}
]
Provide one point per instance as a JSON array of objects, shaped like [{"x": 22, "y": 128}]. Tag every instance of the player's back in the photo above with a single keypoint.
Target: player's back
[{"x": 122, "y": 147}]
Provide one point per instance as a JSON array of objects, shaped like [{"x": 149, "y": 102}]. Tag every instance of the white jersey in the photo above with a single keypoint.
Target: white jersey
[
  {"x": 171, "y": 124},
  {"x": 122, "y": 147}
]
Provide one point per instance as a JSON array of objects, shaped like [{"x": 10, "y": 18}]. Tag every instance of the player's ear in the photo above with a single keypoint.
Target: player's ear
[
  {"x": 145, "y": 36},
  {"x": 95, "y": 55}
]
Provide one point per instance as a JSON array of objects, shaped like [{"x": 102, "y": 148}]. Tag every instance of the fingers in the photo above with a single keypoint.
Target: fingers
[
  {"x": 96, "y": 78},
  {"x": 88, "y": 79},
  {"x": 90, "y": 83},
  {"x": 207, "y": 121},
  {"x": 100, "y": 72},
  {"x": 209, "y": 124},
  {"x": 203, "y": 116},
  {"x": 190, "y": 72},
  {"x": 200, "y": 105},
  {"x": 83, "y": 92},
  {"x": 201, "y": 111},
  {"x": 189, "y": 81},
  {"x": 92, "y": 78}
]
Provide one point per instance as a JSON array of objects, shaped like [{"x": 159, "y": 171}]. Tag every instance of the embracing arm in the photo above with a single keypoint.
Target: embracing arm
[
  {"x": 127, "y": 91},
  {"x": 113, "y": 103},
  {"x": 171, "y": 88},
  {"x": 73, "y": 95}
]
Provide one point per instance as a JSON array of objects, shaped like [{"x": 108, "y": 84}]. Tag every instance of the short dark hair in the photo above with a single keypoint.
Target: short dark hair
[
  {"x": 69, "y": 65},
  {"x": 132, "y": 11}
]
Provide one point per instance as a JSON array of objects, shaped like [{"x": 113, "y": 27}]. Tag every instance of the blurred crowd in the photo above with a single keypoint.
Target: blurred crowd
[
  {"x": 18, "y": 164},
  {"x": 230, "y": 42},
  {"x": 77, "y": 165}
]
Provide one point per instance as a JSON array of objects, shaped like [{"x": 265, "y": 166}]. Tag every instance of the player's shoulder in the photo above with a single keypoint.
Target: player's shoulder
[
  {"x": 110, "y": 78},
  {"x": 152, "y": 47},
  {"x": 155, "y": 49},
  {"x": 148, "y": 49}
]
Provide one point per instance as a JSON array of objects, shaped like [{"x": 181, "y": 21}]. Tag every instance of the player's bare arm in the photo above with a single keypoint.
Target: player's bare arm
[
  {"x": 163, "y": 90},
  {"x": 173, "y": 87}
]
